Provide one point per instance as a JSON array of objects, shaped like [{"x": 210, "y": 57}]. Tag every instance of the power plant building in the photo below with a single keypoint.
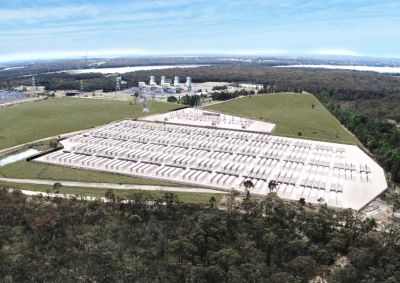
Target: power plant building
[{"x": 166, "y": 85}]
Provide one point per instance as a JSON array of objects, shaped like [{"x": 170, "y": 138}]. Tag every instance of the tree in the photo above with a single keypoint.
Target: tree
[
  {"x": 109, "y": 195},
  {"x": 272, "y": 185},
  {"x": 346, "y": 274},
  {"x": 190, "y": 100},
  {"x": 211, "y": 274},
  {"x": 248, "y": 185},
  {"x": 57, "y": 187},
  {"x": 135, "y": 219},
  {"x": 269, "y": 242},
  {"x": 182, "y": 249},
  {"x": 53, "y": 144},
  {"x": 225, "y": 258},
  {"x": 281, "y": 277},
  {"x": 212, "y": 202},
  {"x": 135, "y": 97},
  {"x": 303, "y": 266},
  {"x": 231, "y": 198},
  {"x": 170, "y": 199},
  {"x": 393, "y": 198}
]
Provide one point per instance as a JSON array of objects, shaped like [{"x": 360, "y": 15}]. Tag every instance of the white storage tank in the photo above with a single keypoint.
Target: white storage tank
[{"x": 189, "y": 83}]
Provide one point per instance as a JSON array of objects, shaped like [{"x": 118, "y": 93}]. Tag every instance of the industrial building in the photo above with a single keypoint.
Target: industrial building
[
  {"x": 166, "y": 85},
  {"x": 223, "y": 155}
]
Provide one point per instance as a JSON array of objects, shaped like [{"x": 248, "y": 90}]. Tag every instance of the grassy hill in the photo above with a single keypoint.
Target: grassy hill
[
  {"x": 293, "y": 114},
  {"x": 32, "y": 121}
]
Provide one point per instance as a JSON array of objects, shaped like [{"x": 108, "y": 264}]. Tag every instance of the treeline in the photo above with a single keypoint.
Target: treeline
[
  {"x": 191, "y": 100},
  {"x": 163, "y": 240},
  {"x": 65, "y": 81},
  {"x": 222, "y": 87},
  {"x": 379, "y": 136},
  {"x": 349, "y": 84},
  {"x": 343, "y": 84},
  {"x": 226, "y": 95},
  {"x": 90, "y": 82}
]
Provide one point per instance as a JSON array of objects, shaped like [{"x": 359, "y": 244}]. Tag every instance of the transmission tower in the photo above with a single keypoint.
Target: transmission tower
[
  {"x": 82, "y": 90},
  {"x": 145, "y": 106},
  {"x": 118, "y": 84},
  {"x": 33, "y": 83}
]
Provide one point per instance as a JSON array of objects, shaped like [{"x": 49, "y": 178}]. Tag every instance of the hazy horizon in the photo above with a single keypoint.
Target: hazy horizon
[{"x": 84, "y": 56}]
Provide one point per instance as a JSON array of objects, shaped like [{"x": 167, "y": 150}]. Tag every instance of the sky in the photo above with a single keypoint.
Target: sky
[{"x": 46, "y": 29}]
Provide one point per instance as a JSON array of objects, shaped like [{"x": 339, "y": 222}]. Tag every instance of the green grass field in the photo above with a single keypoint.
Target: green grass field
[
  {"x": 293, "y": 115},
  {"x": 187, "y": 197},
  {"x": 31, "y": 170},
  {"x": 33, "y": 121}
]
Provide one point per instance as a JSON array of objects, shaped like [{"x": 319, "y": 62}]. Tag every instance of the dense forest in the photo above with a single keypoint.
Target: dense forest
[
  {"x": 343, "y": 84},
  {"x": 163, "y": 240}
]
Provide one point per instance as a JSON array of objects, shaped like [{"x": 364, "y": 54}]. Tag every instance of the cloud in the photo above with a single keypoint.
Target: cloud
[
  {"x": 344, "y": 52},
  {"x": 48, "y": 13},
  {"x": 55, "y": 13}
]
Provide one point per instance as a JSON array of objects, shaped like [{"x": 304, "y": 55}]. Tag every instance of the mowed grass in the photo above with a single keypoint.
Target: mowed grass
[
  {"x": 293, "y": 115},
  {"x": 33, "y": 121},
  {"x": 187, "y": 197},
  {"x": 31, "y": 170}
]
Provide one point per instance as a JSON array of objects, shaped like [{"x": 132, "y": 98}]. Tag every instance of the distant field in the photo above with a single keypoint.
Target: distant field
[
  {"x": 187, "y": 197},
  {"x": 30, "y": 170},
  {"x": 293, "y": 115},
  {"x": 32, "y": 121}
]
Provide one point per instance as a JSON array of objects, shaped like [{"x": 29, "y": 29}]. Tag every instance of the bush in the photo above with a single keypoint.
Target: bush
[{"x": 172, "y": 99}]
